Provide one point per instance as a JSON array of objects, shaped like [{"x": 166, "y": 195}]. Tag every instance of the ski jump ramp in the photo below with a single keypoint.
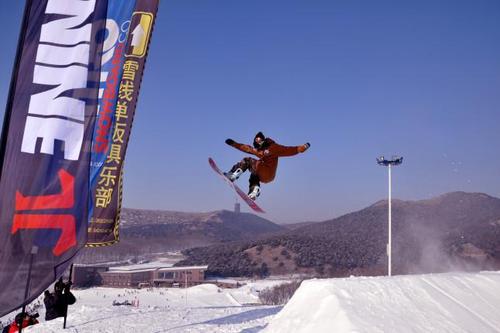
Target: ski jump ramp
[{"x": 449, "y": 302}]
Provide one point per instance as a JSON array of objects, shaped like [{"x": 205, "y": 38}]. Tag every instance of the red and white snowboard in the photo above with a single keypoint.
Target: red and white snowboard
[{"x": 242, "y": 194}]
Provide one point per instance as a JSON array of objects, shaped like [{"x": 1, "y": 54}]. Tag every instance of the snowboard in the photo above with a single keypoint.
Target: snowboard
[{"x": 242, "y": 194}]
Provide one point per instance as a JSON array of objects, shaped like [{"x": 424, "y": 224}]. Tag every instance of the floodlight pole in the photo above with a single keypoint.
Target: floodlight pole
[
  {"x": 396, "y": 160},
  {"x": 389, "y": 244}
]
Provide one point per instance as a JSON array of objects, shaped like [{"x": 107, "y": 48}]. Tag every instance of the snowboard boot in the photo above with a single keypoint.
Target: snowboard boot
[
  {"x": 233, "y": 175},
  {"x": 254, "y": 192}
]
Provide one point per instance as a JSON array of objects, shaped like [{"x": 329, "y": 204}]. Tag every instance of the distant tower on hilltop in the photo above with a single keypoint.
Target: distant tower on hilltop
[{"x": 237, "y": 208}]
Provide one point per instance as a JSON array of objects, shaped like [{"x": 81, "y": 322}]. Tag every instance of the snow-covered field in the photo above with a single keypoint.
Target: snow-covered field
[
  {"x": 452, "y": 302},
  {"x": 204, "y": 308}
]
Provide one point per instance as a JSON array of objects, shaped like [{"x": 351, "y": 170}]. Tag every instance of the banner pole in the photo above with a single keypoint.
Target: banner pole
[
  {"x": 70, "y": 282},
  {"x": 34, "y": 250}
]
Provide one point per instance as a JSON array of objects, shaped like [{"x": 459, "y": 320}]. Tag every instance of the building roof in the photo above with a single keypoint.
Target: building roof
[
  {"x": 128, "y": 271},
  {"x": 100, "y": 265},
  {"x": 148, "y": 266},
  {"x": 183, "y": 268}
]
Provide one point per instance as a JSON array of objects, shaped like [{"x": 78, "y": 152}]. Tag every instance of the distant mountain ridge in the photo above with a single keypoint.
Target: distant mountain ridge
[
  {"x": 293, "y": 226},
  {"x": 221, "y": 225},
  {"x": 456, "y": 230},
  {"x": 155, "y": 231}
]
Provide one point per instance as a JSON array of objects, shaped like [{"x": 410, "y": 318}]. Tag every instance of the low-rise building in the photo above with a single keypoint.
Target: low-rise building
[
  {"x": 138, "y": 276},
  {"x": 182, "y": 276},
  {"x": 127, "y": 278}
]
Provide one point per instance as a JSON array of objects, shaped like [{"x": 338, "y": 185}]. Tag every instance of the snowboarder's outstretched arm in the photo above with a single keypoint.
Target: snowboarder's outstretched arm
[
  {"x": 244, "y": 148},
  {"x": 283, "y": 151}
]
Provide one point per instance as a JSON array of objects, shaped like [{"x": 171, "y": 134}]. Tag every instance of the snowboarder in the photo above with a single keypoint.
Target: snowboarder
[{"x": 263, "y": 169}]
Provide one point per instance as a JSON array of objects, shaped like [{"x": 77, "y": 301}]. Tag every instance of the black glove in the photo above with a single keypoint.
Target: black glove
[{"x": 230, "y": 142}]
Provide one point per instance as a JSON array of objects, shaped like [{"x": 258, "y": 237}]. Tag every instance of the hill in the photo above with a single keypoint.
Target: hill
[
  {"x": 153, "y": 231},
  {"x": 455, "y": 231},
  {"x": 293, "y": 226}
]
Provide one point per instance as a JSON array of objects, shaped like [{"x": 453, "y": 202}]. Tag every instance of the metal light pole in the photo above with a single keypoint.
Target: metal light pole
[
  {"x": 389, "y": 243},
  {"x": 396, "y": 160}
]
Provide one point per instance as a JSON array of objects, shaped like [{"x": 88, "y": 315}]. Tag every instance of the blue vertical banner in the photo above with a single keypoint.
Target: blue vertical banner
[
  {"x": 129, "y": 26},
  {"x": 45, "y": 148},
  {"x": 117, "y": 31}
]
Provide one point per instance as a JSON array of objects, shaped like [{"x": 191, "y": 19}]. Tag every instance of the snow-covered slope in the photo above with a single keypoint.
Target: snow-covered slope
[
  {"x": 441, "y": 303},
  {"x": 452, "y": 302},
  {"x": 203, "y": 308}
]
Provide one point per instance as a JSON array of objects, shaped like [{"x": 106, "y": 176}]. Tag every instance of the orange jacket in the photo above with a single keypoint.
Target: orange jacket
[
  {"x": 13, "y": 328},
  {"x": 268, "y": 157}
]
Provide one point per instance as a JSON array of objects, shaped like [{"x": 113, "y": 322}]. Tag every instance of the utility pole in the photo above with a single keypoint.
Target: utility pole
[{"x": 396, "y": 160}]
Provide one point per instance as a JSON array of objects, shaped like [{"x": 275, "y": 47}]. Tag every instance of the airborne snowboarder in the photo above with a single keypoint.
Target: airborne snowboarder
[{"x": 264, "y": 169}]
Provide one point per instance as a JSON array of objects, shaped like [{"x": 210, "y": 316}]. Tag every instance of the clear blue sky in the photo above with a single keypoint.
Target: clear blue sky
[{"x": 355, "y": 78}]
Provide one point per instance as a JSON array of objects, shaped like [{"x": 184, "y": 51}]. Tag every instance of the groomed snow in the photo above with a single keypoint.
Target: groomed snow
[
  {"x": 203, "y": 308},
  {"x": 451, "y": 302}
]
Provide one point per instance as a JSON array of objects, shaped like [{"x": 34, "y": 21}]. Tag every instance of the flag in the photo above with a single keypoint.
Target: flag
[
  {"x": 122, "y": 70},
  {"x": 45, "y": 148}
]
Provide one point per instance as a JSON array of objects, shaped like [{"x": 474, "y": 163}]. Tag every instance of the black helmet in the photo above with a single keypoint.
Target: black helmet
[
  {"x": 20, "y": 317},
  {"x": 261, "y": 136},
  {"x": 59, "y": 285}
]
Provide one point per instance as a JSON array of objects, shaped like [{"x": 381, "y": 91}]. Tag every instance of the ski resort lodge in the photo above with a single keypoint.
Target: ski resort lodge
[{"x": 138, "y": 276}]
